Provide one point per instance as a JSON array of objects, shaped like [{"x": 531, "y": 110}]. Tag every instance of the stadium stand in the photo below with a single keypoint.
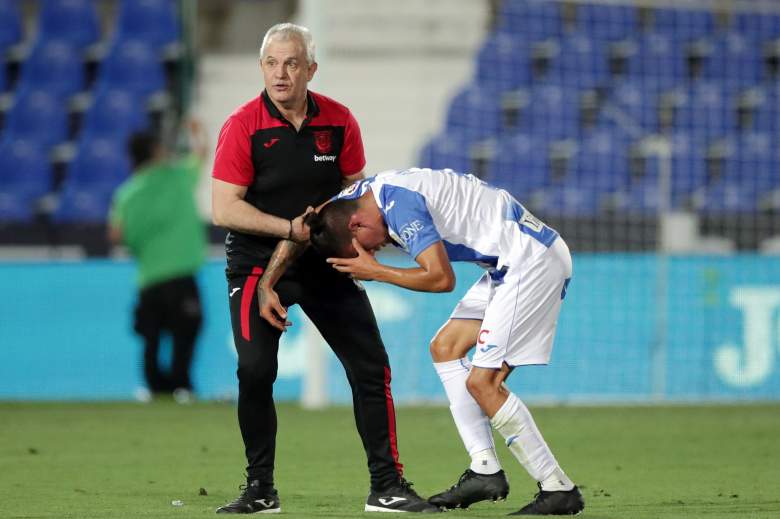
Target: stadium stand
[
  {"x": 70, "y": 98},
  {"x": 72, "y": 21},
  {"x": 617, "y": 114}
]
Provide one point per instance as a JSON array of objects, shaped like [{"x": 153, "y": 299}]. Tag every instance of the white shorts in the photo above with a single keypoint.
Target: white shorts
[{"x": 519, "y": 312}]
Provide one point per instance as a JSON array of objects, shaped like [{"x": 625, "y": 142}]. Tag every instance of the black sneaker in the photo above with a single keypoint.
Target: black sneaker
[
  {"x": 561, "y": 502},
  {"x": 471, "y": 488},
  {"x": 253, "y": 500},
  {"x": 398, "y": 498}
]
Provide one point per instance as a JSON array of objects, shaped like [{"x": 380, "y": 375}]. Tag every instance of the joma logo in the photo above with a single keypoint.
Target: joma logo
[{"x": 751, "y": 365}]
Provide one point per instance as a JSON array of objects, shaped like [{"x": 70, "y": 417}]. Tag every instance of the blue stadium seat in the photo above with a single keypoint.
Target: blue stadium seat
[
  {"x": 3, "y": 81},
  {"x": 74, "y": 21},
  {"x": 503, "y": 63},
  {"x": 79, "y": 203},
  {"x": 755, "y": 162},
  {"x": 474, "y": 112},
  {"x": 764, "y": 26},
  {"x": 155, "y": 22},
  {"x": 25, "y": 175},
  {"x": 659, "y": 61},
  {"x": 134, "y": 66},
  {"x": 735, "y": 59},
  {"x": 602, "y": 161},
  {"x": 54, "y": 66},
  {"x": 726, "y": 197},
  {"x": 446, "y": 150},
  {"x": 520, "y": 164},
  {"x": 552, "y": 111},
  {"x": 115, "y": 113},
  {"x": 568, "y": 200},
  {"x": 10, "y": 24},
  {"x": 766, "y": 118},
  {"x": 685, "y": 24},
  {"x": 607, "y": 22},
  {"x": 581, "y": 62},
  {"x": 705, "y": 109},
  {"x": 37, "y": 115},
  {"x": 637, "y": 100},
  {"x": 689, "y": 167},
  {"x": 642, "y": 195},
  {"x": 100, "y": 163},
  {"x": 535, "y": 19}
]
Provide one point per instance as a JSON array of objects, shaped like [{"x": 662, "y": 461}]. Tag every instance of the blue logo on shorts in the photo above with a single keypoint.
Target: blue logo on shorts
[{"x": 485, "y": 349}]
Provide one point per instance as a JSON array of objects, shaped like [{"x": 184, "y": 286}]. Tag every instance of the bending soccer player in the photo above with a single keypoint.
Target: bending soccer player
[{"x": 510, "y": 314}]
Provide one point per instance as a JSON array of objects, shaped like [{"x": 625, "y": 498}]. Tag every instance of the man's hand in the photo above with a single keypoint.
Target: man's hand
[
  {"x": 363, "y": 266},
  {"x": 271, "y": 308},
  {"x": 300, "y": 231}
]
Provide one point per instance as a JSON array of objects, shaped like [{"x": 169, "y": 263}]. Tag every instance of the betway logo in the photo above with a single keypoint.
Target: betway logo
[
  {"x": 752, "y": 365},
  {"x": 324, "y": 158},
  {"x": 409, "y": 230}
]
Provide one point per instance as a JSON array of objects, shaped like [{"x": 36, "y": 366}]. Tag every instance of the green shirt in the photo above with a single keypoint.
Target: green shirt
[{"x": 156, "y": 211}]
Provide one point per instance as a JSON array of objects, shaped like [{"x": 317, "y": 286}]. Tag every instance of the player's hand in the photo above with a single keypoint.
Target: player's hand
[
  {"x": 300, "y": 231},
  {"x": 271, "y": 308},
  {"x": 363, "y": 266}
]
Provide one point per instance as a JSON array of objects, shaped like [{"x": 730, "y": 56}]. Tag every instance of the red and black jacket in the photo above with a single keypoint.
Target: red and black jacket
[{"x": 284, "y": 170}]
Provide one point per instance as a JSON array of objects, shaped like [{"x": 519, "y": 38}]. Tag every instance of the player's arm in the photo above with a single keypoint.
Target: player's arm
[
  {"x": 434, "y": 273},
  {"x": 348, "y": 180},
  {"x": 285, "y": 253},
  {"x": 114, "y": 234},
  {"x": 230, "y": 210}
]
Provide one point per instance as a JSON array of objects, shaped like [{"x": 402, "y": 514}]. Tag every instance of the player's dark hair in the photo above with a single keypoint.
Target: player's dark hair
[
  {"x": 142, "y": 147},
  {"x": 329, "y": 232}
]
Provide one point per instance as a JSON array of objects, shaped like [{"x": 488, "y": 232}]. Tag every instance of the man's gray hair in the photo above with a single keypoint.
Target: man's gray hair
[{"x": 288, "y": 31}]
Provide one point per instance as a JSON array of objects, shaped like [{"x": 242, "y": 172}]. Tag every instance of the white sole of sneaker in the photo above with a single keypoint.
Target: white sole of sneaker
[{"x": 372, "y": 508}]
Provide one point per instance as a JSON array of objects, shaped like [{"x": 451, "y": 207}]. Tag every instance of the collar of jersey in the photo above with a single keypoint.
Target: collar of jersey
[{"x": 312, "y": 109}]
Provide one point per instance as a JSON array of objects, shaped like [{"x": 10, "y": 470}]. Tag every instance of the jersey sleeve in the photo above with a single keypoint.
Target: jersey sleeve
[
  {"x": 233, "y": 161},
  {"x": 352, "y": 158},
  {"x": 353, "y": 191},
  {"x": 408, "y": 219}
]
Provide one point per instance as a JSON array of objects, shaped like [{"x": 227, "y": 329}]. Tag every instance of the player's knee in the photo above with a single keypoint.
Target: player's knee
[
  {"x": 479, "y": 385},
  {"x": 443, "y": 348},
  {"x": 475, "y": 387},
  {"x": 256, "y": 376}
]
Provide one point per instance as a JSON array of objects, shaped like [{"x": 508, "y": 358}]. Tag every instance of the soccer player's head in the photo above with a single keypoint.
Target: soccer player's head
[
  {"x": 144, "y": 148},
  {"x": 332, "y": 229},
  {"x": 329, "y": 231}
]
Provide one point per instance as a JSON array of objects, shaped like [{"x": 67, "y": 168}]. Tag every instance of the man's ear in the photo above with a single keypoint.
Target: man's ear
[{"x": 354, "y": 222}]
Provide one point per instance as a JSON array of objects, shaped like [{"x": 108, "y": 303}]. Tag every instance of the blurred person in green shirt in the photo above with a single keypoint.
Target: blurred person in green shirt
[{"x": 155, "y": 216}]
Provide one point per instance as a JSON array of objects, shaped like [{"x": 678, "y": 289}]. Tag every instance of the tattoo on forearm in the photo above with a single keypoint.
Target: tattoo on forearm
[{"x": 285, "y": 253}]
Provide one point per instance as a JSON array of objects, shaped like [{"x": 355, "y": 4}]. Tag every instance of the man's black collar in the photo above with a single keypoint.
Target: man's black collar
[{"x": 312, "y": 109}]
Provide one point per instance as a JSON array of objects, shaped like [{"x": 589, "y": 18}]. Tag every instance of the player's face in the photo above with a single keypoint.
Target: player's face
[
  {"x": 286, "y": 72},
  {"x": 371, "y": 233}
]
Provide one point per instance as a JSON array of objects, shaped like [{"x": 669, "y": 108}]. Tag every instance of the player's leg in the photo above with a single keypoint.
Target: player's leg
[
  {"x": 519, "y": 328},
  {"x": 484, "y": 479},
  {"x": 184, "y": 299},
  {"x": 148, "y": 325},
  {"x": 257, "y": 344},
  {"x": 350, "y": 329}
]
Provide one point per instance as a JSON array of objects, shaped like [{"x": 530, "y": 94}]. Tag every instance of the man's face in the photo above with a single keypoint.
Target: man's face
[
  {"x": 285, "y": 71},
  {"x": 370, "y": 231}
]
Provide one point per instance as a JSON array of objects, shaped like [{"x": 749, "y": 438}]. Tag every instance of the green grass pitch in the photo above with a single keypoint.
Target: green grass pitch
[{"x": 132, "y": 460}]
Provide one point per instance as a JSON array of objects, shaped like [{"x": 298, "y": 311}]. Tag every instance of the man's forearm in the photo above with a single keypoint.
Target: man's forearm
[
  {"x": 415, "y": 278},
  {"x": 285, "y": 253},
  {"x": 243, "y": 217}
]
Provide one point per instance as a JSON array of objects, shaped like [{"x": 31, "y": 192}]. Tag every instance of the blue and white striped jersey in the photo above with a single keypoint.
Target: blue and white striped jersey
[{"x": 477, "y": 222}]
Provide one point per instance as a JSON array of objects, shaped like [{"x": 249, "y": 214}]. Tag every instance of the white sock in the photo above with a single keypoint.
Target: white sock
[
  {"x": 472, "y": 424},
  {"x": 524, "y": 440}
]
